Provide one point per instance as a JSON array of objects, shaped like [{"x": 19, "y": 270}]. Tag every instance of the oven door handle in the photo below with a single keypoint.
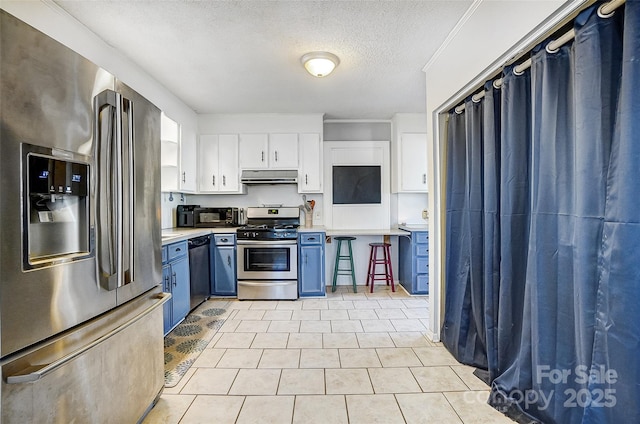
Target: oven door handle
[
  {"x": 267, "y": 242},
  {"x": 270, "y": 283}
]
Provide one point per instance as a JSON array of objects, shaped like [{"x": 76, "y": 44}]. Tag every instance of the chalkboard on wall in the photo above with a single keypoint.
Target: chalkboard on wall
[{"x": 354, "y": 185}]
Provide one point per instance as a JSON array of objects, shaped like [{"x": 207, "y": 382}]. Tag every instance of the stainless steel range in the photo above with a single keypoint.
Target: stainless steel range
[{"x": 268, "y": 254}]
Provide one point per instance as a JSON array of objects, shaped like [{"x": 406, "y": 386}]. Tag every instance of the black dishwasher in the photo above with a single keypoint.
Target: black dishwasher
[{"x": 199, "y": 270}]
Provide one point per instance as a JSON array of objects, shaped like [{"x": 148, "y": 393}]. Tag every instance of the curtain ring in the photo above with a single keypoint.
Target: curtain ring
[
  {"x": 515, "y": 71},
  {"x": 497, "y": 84},
  {"x": 605, "y": 15},
  {"x": 477, "y": 98},
  {"x": 551, "y": 51},
  {"x": 459, "y": 109}
]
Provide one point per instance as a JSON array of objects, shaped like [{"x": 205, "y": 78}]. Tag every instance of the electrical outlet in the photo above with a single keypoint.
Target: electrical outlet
[{"x": 425, "y": 214}]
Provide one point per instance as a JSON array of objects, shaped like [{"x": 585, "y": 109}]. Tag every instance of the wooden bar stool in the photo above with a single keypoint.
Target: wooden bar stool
[
  {"x": 385, "y": 260},
  {"x": 340, "y": 257}
]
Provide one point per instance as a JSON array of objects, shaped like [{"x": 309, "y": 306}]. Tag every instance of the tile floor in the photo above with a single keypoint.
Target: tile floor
[{"x": 347, "y": 358}]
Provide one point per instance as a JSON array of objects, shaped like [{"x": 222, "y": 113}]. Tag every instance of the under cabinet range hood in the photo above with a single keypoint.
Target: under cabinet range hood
[{"x": 269, "y": 176}]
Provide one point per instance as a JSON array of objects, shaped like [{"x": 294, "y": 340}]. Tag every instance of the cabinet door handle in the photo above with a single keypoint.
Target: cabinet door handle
[
  {"x": 166, "y": 283},
  {"x": 306, "y": 179},
  {"x": 424, "y": 178},
  {"x": 229, "y": 260},
  {"x": 224, "y": 180},
  {"x": 213, "y": 180},
  {"x": 184, "y": 177},
  {"x": 306, "y": 259},
  {"x": 262, "y": 158},
  {"x": 174, "y": 279},
  {"x": 276, "y": 156}
]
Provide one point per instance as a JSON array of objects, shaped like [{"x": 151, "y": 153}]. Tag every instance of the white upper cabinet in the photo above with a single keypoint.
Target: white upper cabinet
[
  {"x": 275, "y": 151},
  {"x": 218, "y": 164},
  {"x": 178, "y": 156},
  {"x": 310, "y": 171},
  {"x": 412, "y": 166},
  {"x": 188, "y": 175},
  {"x": 283, "y": 151}
]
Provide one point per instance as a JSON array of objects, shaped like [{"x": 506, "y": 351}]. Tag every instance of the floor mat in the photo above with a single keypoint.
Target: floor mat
[{"x": 185, "y": 343}]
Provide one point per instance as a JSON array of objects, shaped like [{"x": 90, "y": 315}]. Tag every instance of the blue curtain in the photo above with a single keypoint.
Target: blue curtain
[{"x": 555, "y": 237}]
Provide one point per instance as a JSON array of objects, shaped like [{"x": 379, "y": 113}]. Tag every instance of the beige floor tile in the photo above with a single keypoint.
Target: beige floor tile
[
  {"x": 330, "y": 314},
  {"x": 287, "y": 305},
  {"x": 169, "y": 409},
  {"x": 427, "y": 408},
  {"x": 305, "y": 340},
  {"x": 379, "y": 292},
  {"x": 263, "y": 305},
  {"x": 366, "y": 304},
  {"x": 369, "y": 340},
  {"x": 175, "y": 390},
  {"x": 237, "y": 305},
  {"x": 327, "y": 409},
  {"x": 339, "y": 340},
  {"x": 377, "y": 325},
  {"x": 366, "y": 409},
  {"x": 248, "y": 315},
  {"x": 213, "y": 409},
  {"x": 315, "y": 304},
  {"x": 277, "y": 315},
  {"x": 472, "y": 407},
  {"x": 438, "y": 379},
  {"x": 391, "y": 304},
  {"x": 306, "y": 315},
  {"x": 229, "y": 326},
  {"x": 252, "y": 326},
  {"x": 284, "y": 327},
  {"x": 240, "y": 358},
  {"x": 301, "y": 382},
  {"x": 315, "y": 326},
  {"x": 210, "y": 381},
  {"x": 358, "y": 358},
  {"x": 398, "y": 357},
  {"x": 362, "y": 314},
  {"x": 466, "y": 375},
  {"x": 235, "y": 340},
  {"x": 410, "y": 339},
  {"x": 208, "y": 358},
  {"x": 408, "y": 325},
  {"x": 436, "y": 355},
  {"x": 346, "y": 326},
  {"x": 416, "y": 302},
  {"x": 393, "y": 380},
  {"x": 255, "y": 382},
  {"x": 270, "y": 341},
  {"x": 341, "y": 304},
  {"x": 280, "y": 358},
  {"x": 390, "y": 313},
  {"x": 319, "y": 358},
  {"x": 416, "y": 312},
  {"x": 348, "y": 381},
  {"x": 266, "y": 410}
]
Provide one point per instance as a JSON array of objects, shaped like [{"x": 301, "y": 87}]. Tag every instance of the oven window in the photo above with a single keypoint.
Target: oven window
[{"x": 267, "y": 259}]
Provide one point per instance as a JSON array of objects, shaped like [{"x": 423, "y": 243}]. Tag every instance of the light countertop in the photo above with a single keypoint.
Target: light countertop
[{"x": 174, "y": 235}]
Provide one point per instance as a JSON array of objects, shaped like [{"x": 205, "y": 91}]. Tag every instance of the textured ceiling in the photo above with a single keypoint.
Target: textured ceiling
[{"x": 244, "y": 56}]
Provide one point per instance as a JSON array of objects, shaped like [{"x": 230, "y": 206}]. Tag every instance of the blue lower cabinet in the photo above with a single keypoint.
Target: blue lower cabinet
[
  {"x": 311, "y": 276},
  {"x": 224, "y": 275},
  {"x": 414, "y": 262},
  {"x": 176, "y": 280}
]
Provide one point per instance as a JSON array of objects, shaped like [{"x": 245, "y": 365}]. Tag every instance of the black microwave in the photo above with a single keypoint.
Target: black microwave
[{"x": 218, "y": 217}]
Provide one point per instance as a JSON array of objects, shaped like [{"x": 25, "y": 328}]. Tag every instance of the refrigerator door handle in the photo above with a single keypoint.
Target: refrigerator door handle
[
  {"x": 128, "y": 185},
  {"x": 108, "y": 188}
]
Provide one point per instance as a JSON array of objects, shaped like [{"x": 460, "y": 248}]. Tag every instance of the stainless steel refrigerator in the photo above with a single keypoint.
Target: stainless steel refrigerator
[{"x": 80, "y": 262}]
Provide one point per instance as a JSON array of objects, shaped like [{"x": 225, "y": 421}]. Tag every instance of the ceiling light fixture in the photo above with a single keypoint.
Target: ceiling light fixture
[{"x": 320, "y": 64}]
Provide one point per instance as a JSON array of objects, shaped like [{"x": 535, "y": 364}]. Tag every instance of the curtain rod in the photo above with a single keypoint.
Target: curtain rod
[{"x": 604, "y": 11}]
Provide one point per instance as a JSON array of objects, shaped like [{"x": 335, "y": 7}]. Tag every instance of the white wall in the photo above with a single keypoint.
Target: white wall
[{"x": 484, "y": 34}]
